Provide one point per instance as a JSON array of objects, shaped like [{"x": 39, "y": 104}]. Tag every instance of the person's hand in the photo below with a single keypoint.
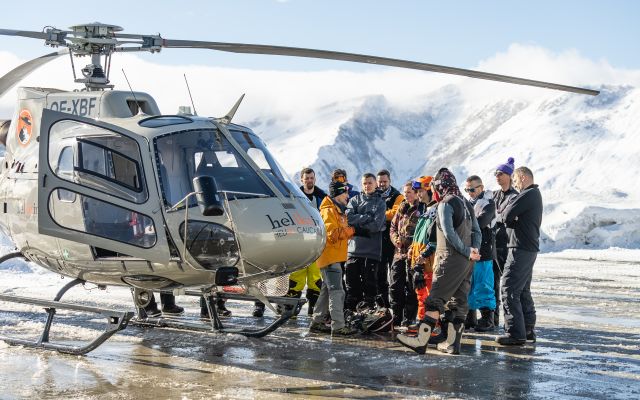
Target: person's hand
[
  {"x": 418, "y": 278},
  {"x": 475, "y": 254}
]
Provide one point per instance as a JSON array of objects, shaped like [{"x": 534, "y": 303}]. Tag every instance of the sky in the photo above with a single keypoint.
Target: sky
[{"x": 459, "y": 34}]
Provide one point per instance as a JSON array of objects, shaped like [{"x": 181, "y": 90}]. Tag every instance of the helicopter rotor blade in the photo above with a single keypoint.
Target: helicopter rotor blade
[
  {"x": 11, "y": 78},
  {"x": 366, "y": 59},
  {"x": 29, "y": 34}
]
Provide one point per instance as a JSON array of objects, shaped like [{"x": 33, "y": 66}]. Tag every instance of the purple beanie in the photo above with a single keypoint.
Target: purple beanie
[{"x": 507, "y": 167}]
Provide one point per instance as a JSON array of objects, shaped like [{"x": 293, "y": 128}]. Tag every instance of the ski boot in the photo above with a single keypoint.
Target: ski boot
[{"x": 418, "y": 342}]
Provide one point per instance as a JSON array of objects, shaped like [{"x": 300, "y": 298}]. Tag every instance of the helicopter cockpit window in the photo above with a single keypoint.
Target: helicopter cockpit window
[
  {"x": 105, "y": 160},
  {"x": 181, "y": 156},
  {"x": 257, "y": 150}
]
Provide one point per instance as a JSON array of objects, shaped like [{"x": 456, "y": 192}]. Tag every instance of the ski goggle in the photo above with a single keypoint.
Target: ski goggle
[{"x": 340, "y": 179}]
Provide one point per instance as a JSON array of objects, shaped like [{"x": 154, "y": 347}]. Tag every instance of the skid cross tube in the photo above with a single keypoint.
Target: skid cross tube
[
  {"x": 116, "y": 321},
  {"x": 215, "y": 324}
]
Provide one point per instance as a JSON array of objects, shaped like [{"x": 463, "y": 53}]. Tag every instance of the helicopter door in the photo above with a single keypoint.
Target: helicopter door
[{"x": 96, "y": 187}]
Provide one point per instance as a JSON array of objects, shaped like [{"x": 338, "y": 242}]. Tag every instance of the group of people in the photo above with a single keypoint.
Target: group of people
[{"x": 431, "y": 255}]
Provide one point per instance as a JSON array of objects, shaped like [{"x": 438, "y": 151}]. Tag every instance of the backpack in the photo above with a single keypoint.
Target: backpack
[{"x": 369, "y": 319}]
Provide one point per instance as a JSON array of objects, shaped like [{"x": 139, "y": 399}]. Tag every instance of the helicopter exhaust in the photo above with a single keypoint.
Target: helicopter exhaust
[{"x": 4, "y": 130}]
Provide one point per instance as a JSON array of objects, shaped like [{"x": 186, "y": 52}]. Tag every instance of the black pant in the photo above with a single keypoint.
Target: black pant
[
  {"x": 360, "y": 279},
  {"x": 404, "y": 301},
  {"x": 498, "y": 268},
  {"x": 517, "y": 303},
  {"x": 382, "y": 273}
]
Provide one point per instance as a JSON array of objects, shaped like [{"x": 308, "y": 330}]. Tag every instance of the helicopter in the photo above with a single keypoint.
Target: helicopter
[{"x": 100, "y": 186}]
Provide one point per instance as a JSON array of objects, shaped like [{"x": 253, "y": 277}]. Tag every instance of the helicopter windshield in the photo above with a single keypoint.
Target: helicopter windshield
[
  {"x": 257, "y": 150},
  {"x": 181, "y": 156}
]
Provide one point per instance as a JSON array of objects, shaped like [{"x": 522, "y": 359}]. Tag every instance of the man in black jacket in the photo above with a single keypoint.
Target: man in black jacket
[
  {"x": 523, "y": 217},
  {"x": 501, "y": 198}
]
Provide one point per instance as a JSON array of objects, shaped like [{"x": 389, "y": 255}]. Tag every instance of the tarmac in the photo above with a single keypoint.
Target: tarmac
[{"x": 588, "y": 347}]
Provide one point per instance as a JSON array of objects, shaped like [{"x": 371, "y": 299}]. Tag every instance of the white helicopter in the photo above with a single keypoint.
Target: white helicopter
[{"x": 100, "y": 186}]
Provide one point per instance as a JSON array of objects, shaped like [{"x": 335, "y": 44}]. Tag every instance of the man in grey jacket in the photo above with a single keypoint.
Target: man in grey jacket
[
  {"x": 366, "y": 213},
  {"x": 458, "y": 240}
]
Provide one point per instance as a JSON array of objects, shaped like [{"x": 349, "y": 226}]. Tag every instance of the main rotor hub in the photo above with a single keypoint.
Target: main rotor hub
[{"x": 97, "y": 39}]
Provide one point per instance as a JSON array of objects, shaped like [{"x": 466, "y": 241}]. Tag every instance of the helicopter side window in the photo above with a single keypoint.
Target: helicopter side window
[
  {"x": 106, "y": 161},
  {"x": 99, "y": 218},
  {"x": 65, "y": 169}
]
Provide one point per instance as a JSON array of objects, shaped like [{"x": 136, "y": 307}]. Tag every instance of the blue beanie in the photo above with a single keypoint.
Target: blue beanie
[{"x": 507, "y": 167}]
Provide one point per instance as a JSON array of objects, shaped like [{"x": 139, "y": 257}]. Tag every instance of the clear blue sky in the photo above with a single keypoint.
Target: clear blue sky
[{"x": 457, "y": 34}]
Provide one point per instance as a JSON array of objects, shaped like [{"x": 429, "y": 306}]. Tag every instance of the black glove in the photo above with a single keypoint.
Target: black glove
[
  {"x": 361, "y": 232},
  {"x": 428, "y": 251},
  {"x": 418, "y": 278}
]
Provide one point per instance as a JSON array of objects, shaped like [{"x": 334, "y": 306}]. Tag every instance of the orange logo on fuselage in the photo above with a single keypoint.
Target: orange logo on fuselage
[{"x": 25, "y": 127}]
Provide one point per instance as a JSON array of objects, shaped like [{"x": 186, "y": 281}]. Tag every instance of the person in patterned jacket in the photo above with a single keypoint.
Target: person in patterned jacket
[{"x": 403, "y": 299}]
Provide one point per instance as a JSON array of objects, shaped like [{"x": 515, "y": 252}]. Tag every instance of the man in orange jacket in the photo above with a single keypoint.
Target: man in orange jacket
[{"x": 331, "y": 299}]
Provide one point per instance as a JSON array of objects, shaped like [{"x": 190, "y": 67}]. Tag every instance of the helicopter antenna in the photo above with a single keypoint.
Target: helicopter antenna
[
  {"x": 189, "y": 90},
  {"x": 131, "y": 89},
  {"x": 227, "y": 118}
]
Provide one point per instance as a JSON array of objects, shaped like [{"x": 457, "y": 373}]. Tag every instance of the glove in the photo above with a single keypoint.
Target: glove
[
  {"x": 428, "y": 251},
  {"x": 361, "y": 232},
  {"x": 418, "y": 278}
]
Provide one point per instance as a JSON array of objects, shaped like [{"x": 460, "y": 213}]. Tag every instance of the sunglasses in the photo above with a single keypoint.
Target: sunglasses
[{"x": 471, "y": 190}]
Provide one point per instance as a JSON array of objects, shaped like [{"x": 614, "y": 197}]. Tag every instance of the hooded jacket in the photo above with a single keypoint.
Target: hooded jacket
[
  {"x": 338, "y": 233},
  {"x": 367, "y": 212},
  {"x": 402, "y": 228}
]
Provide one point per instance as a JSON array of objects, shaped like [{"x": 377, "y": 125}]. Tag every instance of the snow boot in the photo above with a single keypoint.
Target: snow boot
[
  {"x": 471, "y": 321},
  {"x": 507, "y": 340},
  {"x": 319, "y": 327},
  {"x": 418, "y": 342},
  {"x": 531, "y": 335},
  {"x": 443, "y": 332},
  {"x": 172, "y": 309},
  {"x": 312, "y": 297},
  {"x": 151, "y": 310},
  {"x": 454, "y": 337},
  {"x": 485, "y": 323},
  {"x": 258, "y": 309},
  {"x": 222, "y": 309}
]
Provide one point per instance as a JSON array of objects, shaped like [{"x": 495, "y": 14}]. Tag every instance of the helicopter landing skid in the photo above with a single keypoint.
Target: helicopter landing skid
[
  {"x": 215, "y": 323},
  {"x": 116, "y": 321}
]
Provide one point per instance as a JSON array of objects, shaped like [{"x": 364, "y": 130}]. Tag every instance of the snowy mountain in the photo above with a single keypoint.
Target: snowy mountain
[{"x": 582, "y": 150}]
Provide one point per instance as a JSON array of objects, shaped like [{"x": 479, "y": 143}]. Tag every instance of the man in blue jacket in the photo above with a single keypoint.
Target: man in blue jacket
[
  {"x": 523, "y": 217},
  {"x": 366, "y": 213}
]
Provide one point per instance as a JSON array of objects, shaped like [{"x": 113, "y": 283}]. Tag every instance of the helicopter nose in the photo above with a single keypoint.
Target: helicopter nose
[{"x": 276, "y": 235}]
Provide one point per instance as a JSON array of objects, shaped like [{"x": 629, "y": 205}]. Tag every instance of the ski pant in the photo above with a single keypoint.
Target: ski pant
[
  {"x": 498, "y": 268},
  {"x": 404, "y": 302},
  {"x": 382, "y": 274},
  {"x": 423, "y": 293},
  {"x": 361, "y": 281},
  {"x": 517, "y": 303},
  {"x": 482, "y": 295},
  {"x": 331, "y": 299},
  {"x": 451, "y": 283},
  {"x": 309, "y": 277}
]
